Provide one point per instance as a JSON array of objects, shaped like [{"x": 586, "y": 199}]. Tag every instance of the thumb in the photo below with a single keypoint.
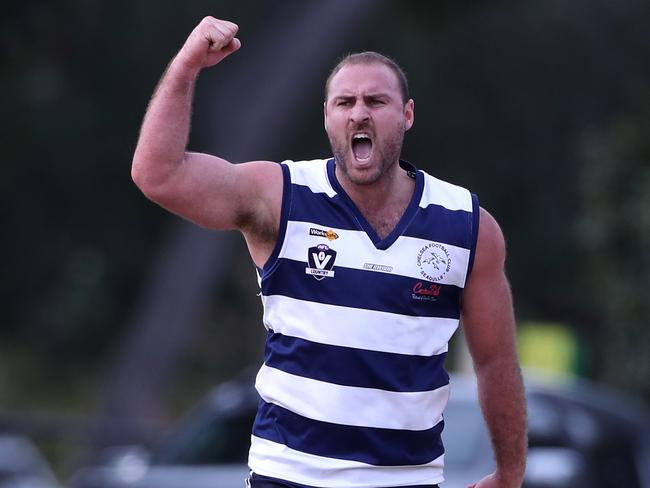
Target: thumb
[
  {"x": 232, "y": 46},
  {"x": 222, "y": 52},
  {"x": 216, "y": 53}
]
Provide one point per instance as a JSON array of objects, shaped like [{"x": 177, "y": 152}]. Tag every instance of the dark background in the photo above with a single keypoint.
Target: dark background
[{"x": 116, "y": 313}]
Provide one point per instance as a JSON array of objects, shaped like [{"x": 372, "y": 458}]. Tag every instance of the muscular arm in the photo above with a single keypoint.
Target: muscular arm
[
  {"x": 205, "y": 189},
  {"x": 489, "y": 324}
]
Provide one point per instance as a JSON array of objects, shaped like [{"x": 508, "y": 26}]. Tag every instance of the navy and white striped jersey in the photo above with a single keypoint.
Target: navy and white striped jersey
[{"x": 353, "y": 384}]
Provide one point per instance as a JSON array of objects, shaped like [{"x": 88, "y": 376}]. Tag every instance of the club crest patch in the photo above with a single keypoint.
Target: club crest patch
[
  {"x": 434, "y": 261},
  {"x": 321, "y": 261}
]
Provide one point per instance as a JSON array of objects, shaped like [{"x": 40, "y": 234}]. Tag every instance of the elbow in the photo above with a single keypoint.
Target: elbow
[
  {"x": 137, "y": 173},
  {"x": 141, "y": 176},
  {"x": 151, "y": 185},
  {"x": 149, "y": 177}
]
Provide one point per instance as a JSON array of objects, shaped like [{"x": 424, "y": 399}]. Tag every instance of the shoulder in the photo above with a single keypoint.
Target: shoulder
[
  {"x": 490, "y": 246},
  {"x": 258, "y": 170},
  {"x": 311, "y": 173},
  {"x": 305, "y": 163},
  {"x": 305, "y": 167},
  {"x": 446, "y": 194},
  {"x": 258, "y": 186}
]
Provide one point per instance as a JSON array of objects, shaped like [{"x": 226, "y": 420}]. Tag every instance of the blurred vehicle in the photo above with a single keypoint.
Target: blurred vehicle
[
  {"x": 22, "y": 465},
  {"x": 580, "y": 436}
]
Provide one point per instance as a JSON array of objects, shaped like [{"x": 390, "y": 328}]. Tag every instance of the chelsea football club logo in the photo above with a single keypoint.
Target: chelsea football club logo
[
  {"x": 321, "y": 261},
  {"x": 434, "y": 261}
]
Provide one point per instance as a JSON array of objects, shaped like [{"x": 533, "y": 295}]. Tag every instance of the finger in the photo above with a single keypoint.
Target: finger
[
  {"x": 220, "y": 30},
  {"x": 217, "y": 39},
  {"x": 231, "y": 47},
  {"x": 234, "y": 45},
  {"x": 230, "y": 25},
  {"x": 228, "y": 29}
]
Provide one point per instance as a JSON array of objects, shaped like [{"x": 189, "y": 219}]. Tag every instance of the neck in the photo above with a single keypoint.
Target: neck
[{"x": 394, "y": 189}]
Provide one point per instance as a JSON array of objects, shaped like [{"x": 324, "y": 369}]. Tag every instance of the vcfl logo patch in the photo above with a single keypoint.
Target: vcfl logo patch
[{"x": 321, "y": 261}]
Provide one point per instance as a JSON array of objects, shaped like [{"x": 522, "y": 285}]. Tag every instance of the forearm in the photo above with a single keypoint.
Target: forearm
[
  {"x": 165, "y": 129},
  {"x": 503, "y": 402}
]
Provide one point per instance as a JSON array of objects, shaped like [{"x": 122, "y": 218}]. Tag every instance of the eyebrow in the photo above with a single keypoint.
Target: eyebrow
[
  {"x": 374, "y": 96},
  {"x": 367, "y": 96}
]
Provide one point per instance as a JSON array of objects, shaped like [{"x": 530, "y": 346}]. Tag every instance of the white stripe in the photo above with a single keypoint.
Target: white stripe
[
  {"x": 358, "y": 328},
  {"x": 349, "y": 405},
  {"x": 401, "y": 256},
  {"x": 448, "y": 195},
  {"x": 312, "y": 174},
  {"x": 268, "y": 458}
]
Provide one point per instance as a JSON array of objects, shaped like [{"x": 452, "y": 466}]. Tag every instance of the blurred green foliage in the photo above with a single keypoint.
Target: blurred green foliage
[{"x": 614, "y": 232}]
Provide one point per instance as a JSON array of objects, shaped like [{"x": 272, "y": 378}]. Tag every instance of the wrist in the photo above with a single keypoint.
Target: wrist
[
  {"x": 509, "y": 478},
  {"x": 181, "y": 69}
]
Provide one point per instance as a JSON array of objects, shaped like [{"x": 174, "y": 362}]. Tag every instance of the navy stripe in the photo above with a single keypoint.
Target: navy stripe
[
  {"x": 433, "y": 222},
  {"x": 363, "y": 289},
  {"x": 284, "y": 216},
  {"x": 437, "y": 223},
  {"x": 371, "y": 445},
  {"x": 355, "y": 367},
  {"x": 330, "y": 212},
  {"x": 259, "y": 481}
]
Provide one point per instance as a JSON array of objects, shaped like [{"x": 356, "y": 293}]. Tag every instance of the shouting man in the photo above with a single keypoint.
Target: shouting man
[{"x": 366, "y": 266}]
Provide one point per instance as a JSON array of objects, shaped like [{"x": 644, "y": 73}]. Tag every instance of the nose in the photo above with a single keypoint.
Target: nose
[{"x": 359, "y": 113}]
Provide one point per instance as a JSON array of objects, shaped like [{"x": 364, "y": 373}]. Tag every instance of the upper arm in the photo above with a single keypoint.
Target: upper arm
[
  {"x": 487, "y": 314},
  {"x": 217, "y": 194}
]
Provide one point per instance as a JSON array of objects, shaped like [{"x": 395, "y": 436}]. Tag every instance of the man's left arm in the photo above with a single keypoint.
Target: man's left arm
[{"x": 489, "y": 325}]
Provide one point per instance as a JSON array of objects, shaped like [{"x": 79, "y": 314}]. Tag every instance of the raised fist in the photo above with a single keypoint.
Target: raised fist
[{"x": 210, "y": 42}]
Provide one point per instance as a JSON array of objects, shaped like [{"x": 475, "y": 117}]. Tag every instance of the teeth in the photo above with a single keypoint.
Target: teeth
[{"x": 361, "y": 136}]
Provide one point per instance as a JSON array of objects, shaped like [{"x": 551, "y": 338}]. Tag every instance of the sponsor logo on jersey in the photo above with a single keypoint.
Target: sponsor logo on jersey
[
  {"x": 425, "y": 292},
  {"x": 434, "y": 261},
  {"x": 321, "y": 261},
  {"x": 378, "y": 267},
  {"x": 329, "y": 234}
]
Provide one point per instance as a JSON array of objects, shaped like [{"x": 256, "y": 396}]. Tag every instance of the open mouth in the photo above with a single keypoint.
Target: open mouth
[{"x": 361, "y": 146}]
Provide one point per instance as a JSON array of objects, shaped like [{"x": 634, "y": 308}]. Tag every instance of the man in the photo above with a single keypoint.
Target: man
[{"x": 363, "y": 262}]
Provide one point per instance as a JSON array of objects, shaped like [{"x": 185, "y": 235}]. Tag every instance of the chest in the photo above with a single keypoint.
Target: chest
[
  {"x": 342, "y": 270},
  {"x": 384, "y": 221}
]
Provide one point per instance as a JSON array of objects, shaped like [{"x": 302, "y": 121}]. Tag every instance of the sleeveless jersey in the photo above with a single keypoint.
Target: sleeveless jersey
[{"x": 353, "y": 385}]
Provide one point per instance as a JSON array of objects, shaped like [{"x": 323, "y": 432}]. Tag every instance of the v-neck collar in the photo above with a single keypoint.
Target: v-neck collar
[{"x": 404, "y": 220}]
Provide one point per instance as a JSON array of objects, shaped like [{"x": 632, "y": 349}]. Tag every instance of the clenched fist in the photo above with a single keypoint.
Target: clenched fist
[{"x": 210, "y": 42}]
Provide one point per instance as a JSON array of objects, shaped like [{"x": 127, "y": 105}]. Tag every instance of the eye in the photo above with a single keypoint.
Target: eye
[{"x": 344, "y": 103}]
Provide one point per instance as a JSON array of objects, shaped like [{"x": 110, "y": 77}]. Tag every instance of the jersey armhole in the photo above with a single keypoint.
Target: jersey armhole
[
  {"x": 474, "y": 223},
  {"x": 271, "y": 263}
]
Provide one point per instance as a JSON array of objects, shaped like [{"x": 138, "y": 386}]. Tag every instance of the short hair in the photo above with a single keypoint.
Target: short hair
[{"x": 371, "y": 57}]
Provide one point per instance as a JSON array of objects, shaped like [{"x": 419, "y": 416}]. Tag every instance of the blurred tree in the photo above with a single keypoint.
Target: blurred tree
[{"x": 614, "y": 233}]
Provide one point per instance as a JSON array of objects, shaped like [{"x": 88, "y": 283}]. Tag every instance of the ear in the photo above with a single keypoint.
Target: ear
[
  {"x": 409, "y": 114},
  {"x": 325, "y": 114}
]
